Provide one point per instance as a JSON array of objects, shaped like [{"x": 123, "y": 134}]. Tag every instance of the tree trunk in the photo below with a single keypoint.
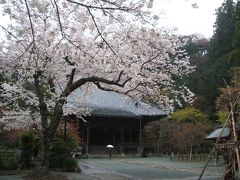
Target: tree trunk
[
  {"x": 155, "y": 145},
  {"x": 41, "y": 167},
  {"x": 45, "y": 142},
  {"x": 190, "y": 154},
  {"x": 158, "y": 145}
]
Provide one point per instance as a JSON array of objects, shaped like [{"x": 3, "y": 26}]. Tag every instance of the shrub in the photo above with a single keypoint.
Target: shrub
[
  {"x": 71, "y": 141},
  {"x": 7, "y": 161},
  {"x": 60, "y": 153},
  {"x": 59, "y": 146},
  {"x": 66, "y": 163},
  {"x": 27, "y": 139}
]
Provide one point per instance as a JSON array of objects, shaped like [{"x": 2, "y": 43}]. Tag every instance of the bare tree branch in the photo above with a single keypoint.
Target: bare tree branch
[
  {"x": 112, "y": 3},
  {"x": 68, "y": 61},
  {"x": 58, "y": 17},
  {"x": 104, "y": 88},
  {"x": 30, "y": 20},
  {"x": 104, "y": 12},
  {"x": 70, "y": 81},
  {"x": 78, "y": 47},
  {"x": 99, "y": 32},
  {"x": 130, "y": 90},
  {"x": 25, "y": 50},
  {"x": 60, "y": 87},
  {"x": 115, "y": 18},
  {"x": 97, "y": 7},
  {"x": 11, "y": 34},
  {"x": 119, "y": 76},
  {"x": 151, "y": 59},
  {"x": 93, "y": 79}
]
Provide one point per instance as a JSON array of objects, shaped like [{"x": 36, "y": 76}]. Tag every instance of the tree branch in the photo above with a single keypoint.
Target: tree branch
[
  {"x": 115, "y": 18},
  {"x": 11, "y": 34},
  {"x": 99, "y": 32},
  {"x": 25, "y": 50},
  {"x": 58, "y": 17},
  {"x": 119, "y": 76},
  {"x": 104, "y": 88},
  {"x": 68, "y": 61},
  {"x": 101, "y": 8},
  {"x": 70, "y": 81},
  {"x": 78, "y": 47},
  {"x": 130, "y": 90},
  {"x": 149, "y": 60},
  {"x": 104, "y": 12},
  {"x": 95, "y": 80},
  {"x": 30, "y": 20},
  {"x": 111, "y": 3}
]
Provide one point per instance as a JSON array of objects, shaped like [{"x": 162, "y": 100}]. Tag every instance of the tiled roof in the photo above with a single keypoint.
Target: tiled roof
[
  {"x": 225, "y": 133},
  {"x": 105, "y": 103}
]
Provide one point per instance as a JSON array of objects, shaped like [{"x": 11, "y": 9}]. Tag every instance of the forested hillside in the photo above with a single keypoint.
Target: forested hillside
[
  {"x": 217, "y": 62},
  {"x": 222, "y": 56}
]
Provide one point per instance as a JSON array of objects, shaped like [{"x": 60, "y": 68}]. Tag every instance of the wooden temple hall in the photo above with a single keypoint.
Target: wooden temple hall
[{"x": 114, "y": 119}]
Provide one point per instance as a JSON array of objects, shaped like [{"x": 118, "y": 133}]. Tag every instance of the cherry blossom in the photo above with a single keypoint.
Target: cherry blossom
[{"x": 53, "y": 47}]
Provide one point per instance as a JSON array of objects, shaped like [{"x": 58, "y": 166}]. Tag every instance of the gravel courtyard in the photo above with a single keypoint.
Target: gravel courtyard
[
  {"x": 147, "y": 168},
  {"x": 135, "y": 169}
]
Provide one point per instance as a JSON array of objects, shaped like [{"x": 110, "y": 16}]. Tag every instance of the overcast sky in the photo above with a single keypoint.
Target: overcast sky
[{"x": 188, "y": 20}]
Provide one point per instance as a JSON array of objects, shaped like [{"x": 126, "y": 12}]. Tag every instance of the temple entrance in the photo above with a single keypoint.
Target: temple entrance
[
  {"x": 125, "y": 134},
  {"x": 124, "y": 140},
  {"x": 102, "y": 136}
]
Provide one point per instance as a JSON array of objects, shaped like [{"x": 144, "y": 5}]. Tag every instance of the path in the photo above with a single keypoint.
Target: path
[
  {"x": 147, "y": 168},
  {"x": 137, "y": 169}
]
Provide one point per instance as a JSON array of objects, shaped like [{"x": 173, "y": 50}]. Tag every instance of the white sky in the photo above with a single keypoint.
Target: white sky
[{"x": 188, "y": 20}]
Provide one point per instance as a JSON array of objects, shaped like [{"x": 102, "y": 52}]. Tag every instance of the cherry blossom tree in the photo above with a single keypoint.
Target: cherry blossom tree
[{"x": 53, "y": 47}]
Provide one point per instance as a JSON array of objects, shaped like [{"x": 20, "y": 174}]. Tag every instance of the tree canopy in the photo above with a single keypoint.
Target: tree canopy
[
  {"x": 190, "y": 115},
  {"x": 222, "y": 55},
  {"x": 55, "y": 47}
]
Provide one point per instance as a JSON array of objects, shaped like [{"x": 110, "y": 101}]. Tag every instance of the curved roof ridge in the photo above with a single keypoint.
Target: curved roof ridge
[{"x": 98, "y": 100}]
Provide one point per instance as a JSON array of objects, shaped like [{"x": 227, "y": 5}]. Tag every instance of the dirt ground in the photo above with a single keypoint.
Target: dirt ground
[
  {"x": 53, "y": 175},
  {"x": 27, "y": 175}
]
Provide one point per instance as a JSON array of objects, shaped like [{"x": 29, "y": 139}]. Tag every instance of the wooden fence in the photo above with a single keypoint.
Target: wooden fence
[{"x": 186, "y": 157}]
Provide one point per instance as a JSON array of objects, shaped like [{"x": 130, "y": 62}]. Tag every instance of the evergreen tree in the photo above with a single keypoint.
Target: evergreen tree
[
  {"x": 222, "y": 56},
  {"x": 221, "y": 42},
  {"x": 235, "y": 53}
]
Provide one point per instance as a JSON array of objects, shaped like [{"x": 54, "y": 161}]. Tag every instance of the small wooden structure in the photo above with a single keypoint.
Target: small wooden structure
[
  {"x": 227, "y": 138},
  {"x": 114, "y": 119},
  {"x": 221, "y": 144}
]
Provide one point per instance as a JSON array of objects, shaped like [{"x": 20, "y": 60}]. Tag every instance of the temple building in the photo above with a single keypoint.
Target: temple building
[{"x": 114, "y": 119}]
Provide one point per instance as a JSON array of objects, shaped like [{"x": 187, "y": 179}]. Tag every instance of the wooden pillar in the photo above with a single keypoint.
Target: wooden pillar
[
  {"x": 140, "y": 132},
  {"x": 80, "y": 132},
  {"x": 130, "y": 135},
  {"x": 83, "y": 134},
  {"x": 122, "y": 141},
  {"x": 141, "y": 148},
  {"x": 114, "y": 137},
  {"x": 88, "y": 139},
  {"x": 235, "y": 140}
]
